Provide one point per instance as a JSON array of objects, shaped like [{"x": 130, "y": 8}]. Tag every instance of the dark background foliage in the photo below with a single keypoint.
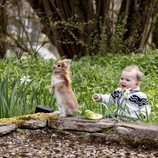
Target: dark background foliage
[{"x": 82, "y": 27}]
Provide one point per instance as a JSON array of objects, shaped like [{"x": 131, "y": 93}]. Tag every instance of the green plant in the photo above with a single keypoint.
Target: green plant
[
  {"x": 90, "y": 74},
  {"x": 10, "y": 98},
  {"x": 21, "y": 98}
]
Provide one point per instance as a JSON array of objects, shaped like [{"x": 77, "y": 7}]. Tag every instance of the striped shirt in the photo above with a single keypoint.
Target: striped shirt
[{"x": 131, "y": 103}]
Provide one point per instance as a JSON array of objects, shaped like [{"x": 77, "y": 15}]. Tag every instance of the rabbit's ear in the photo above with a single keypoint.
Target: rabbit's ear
[{"x": 67, "y": 61}]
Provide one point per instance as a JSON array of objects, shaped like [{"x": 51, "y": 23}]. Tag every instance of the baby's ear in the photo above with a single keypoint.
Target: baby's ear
[
  {"x": 138, "y": 83},
  {"x": 67, "y": 61}
]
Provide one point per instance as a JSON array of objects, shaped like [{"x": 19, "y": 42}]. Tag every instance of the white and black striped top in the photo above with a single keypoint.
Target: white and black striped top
[{"x": 134, "y": 100}]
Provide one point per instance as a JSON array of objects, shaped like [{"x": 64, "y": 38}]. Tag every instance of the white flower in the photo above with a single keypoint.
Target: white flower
[{"x": 25, "y": 79}]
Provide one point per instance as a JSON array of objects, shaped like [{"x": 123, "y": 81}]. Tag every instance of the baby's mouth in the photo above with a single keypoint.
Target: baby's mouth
[{"x": 123, "y": 86}]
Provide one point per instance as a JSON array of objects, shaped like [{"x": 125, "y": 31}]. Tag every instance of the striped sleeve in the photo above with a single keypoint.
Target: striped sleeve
[{"x": 139, "y": 99}]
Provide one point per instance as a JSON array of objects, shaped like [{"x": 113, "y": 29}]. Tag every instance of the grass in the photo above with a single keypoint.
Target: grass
[{"x": 90, "y": 74}]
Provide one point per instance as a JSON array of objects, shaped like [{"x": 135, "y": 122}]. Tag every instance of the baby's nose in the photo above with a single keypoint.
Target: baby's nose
[{"x": 123, "y": 81}]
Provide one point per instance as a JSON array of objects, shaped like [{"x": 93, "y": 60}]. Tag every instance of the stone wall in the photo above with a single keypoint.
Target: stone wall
[{"x": 99, "y": 130}]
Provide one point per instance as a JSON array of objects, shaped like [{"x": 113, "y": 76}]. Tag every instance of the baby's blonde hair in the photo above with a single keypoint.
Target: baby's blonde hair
[{"x": 139, "y": 73}]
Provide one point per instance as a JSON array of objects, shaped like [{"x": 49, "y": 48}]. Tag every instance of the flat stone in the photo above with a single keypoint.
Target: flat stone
[
  {"x": 124, "y": 131},
  {"x": 80, "y": 124},
  {"x": 133, "y": 133},
  {"x": 6, "y": 128},
  {"x": 33, "y": 124}
]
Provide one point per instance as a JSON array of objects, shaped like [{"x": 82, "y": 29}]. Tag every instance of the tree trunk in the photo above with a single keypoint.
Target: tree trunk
[
  {"x": 3, "y": 25},
  {"x": 155, "y": 28},
  {"x": 139, "y": 24},
  {"x": 59, "y": 23},
  {"x": 76, "y": 27}
]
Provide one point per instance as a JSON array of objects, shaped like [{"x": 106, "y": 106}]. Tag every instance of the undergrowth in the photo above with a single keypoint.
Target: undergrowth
[{"x": 90, "y": 74}]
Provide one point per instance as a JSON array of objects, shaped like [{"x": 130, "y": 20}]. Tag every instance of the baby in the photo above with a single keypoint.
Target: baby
[{"x": 131, "y": 102}]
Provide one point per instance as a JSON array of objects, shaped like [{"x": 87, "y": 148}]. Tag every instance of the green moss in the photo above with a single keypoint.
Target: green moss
[{"x": 20, "y": 119}]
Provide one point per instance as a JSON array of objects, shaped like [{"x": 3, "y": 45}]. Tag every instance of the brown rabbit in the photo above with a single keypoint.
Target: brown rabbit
[{"x": 61, "y": 86}]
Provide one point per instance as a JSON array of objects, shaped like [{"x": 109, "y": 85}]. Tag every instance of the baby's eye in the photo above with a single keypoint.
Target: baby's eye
[
  {"x": 128, "y": 80},
  {"x": 58, "y": 65}
]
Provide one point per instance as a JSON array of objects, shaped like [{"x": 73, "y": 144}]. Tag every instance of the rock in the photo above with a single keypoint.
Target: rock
[
  {"x": 6, "y": 128},
  {"x": 80, "y": 124},
  {"x": 108, "y": 131},
  {"x": 33, "y": 124},
  {"x": 140, "y": 130},
  {"x": 133, "y": 134},
  {"x": 123, "y": 130},
  {"x": 45, "y": 53}
]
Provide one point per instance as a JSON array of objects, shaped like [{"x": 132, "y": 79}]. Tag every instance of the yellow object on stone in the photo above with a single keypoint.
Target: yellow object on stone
[{"x": 91, "y": 115}]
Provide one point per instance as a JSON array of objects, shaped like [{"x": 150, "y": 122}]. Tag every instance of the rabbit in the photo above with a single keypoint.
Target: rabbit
[{"x": 61, "y": 87}]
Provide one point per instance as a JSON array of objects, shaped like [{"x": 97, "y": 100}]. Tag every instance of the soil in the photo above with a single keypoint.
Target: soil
[{"x": 46, "y": 143}]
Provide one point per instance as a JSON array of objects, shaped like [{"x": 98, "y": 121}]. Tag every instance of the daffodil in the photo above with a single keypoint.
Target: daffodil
[{"x": 25, "y": 79}]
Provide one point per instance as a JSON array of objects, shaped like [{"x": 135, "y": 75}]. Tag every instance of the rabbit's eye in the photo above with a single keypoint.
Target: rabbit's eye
[{"x": 58, "y": 65}]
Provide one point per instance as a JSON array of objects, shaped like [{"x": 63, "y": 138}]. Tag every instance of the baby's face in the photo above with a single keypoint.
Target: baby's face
[{"x": 128, "y": 80}]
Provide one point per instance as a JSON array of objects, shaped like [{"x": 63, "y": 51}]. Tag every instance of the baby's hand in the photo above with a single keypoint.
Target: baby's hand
[
  {"x": 126, "y": 90},
  {"x": 96, "y": 97}
]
